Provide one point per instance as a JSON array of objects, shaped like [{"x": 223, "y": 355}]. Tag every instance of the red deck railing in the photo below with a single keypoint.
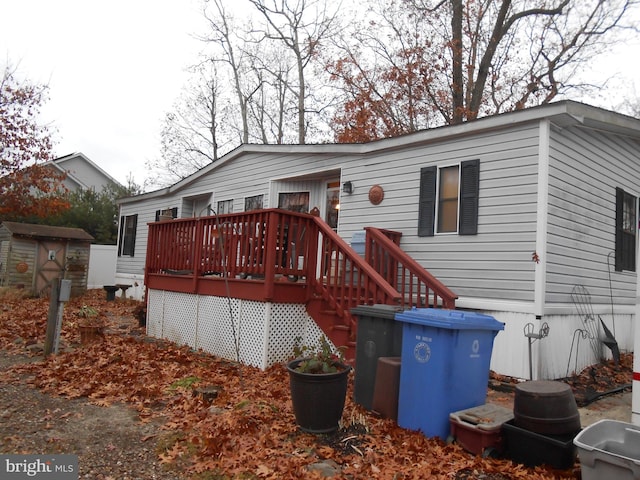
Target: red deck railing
[
  {"x": 418, "y": 288},
  {"x": 258, "y": 244},
  {"x": 282, "y": 251},
  {"x": 346, "y": 279}
]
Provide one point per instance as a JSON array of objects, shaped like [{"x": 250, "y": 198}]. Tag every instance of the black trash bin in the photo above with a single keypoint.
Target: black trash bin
[{"x": 379, "y": 335}]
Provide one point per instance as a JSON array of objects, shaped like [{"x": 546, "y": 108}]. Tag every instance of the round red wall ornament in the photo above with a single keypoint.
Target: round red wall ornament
[
  {"x": 376, "y": 195},
  {"x": 22, "y": 267}
]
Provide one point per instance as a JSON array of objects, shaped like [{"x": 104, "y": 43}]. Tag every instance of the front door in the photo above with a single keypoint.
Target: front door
[{"x": 333, "y": 204}]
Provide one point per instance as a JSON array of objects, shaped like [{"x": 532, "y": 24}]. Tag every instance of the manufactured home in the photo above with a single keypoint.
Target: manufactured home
[{"x": 509, "y": 215}]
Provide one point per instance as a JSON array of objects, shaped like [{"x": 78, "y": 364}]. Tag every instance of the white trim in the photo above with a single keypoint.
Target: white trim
[
  {"x": 540, "y": 287},
  {"x": 494, "y": 304},
  {"x": 268, "y": 308},
  {"x": 635, "y": 389}
]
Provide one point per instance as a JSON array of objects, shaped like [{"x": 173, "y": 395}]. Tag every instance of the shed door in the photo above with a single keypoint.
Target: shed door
[{"x": 50, "y": 262}]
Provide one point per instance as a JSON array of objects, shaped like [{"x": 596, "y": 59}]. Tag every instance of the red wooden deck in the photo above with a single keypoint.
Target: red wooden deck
[{"x": 279, "y": 256}]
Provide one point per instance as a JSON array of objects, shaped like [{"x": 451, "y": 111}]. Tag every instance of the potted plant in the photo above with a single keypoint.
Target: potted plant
[
  {"x": 90, "y": 325},
  {"x": 318, "y": 378}
]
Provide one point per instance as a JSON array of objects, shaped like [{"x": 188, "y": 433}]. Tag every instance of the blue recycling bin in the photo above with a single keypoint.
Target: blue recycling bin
[{"x": 446, "y": 356}]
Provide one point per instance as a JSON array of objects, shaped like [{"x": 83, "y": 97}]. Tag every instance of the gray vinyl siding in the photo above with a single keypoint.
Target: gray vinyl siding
[
  {"x": 247, "y": 175},
  {"x": 86, "y": 173},
  {"x": 495, "y": 263},
  {"x": 146, "y": 212},
  {"x": 4, "y": 258},
  {"x": 586, "y": 167}
]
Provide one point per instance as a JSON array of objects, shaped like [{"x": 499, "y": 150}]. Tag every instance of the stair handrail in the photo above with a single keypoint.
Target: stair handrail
[
  {"x": 440, "y": 290},
  {"x": 369, "y": 283}
]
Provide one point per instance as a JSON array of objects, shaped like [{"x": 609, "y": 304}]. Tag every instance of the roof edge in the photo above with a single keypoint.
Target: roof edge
[{"x": 565, "y": 112}]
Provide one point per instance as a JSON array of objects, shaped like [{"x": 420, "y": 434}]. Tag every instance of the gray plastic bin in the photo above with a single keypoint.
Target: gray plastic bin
[
  {"x": 358, "y": 242},
  {"x": 609, "y": 449},
  {"x": 379, "y": 335}
]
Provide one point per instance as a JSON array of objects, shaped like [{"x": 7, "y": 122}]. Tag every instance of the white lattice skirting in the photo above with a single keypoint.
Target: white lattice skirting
[{"x": 264, "y": 333}]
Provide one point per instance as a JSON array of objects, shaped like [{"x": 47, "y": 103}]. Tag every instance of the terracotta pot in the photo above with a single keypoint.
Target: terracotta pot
[{"x": 90, "y": 333}]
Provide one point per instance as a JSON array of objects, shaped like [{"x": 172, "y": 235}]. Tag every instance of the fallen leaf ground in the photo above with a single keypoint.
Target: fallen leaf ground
[{"x": 246, "y": 432}]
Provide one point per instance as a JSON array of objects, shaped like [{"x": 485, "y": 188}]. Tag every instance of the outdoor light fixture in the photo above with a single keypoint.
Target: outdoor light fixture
[{"x": 347, "y": 187}]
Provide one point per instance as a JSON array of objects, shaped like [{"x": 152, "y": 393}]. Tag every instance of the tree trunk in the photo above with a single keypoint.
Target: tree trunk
[{"x": 457, "y": 87}]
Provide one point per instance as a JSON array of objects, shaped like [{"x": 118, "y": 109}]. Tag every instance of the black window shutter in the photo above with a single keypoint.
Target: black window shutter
[
  {"x": 469, "y": 192},
  {"x": 427, "y": 202},
  {"x": 619, "y": 234},
  {"x": 134, "y": 228},
  {"x": 157, "y": 215},
  {"x": 121, "y": 239},
  {"x": 625, "y": 238},
  {"x": 174, "y": 212}
]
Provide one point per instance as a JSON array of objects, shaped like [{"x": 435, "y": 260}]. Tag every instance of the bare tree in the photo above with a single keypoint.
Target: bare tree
[
  {"x": 300, "y": 26},
  {"x": 193, "y": 134},
  {"x": 384, "y": 69},
  {"x": 475, "y": 58},
  {"x": 559, "y": 35},
  {"x": 268, "y": 108},
  {"x": 223, "y": 34}
]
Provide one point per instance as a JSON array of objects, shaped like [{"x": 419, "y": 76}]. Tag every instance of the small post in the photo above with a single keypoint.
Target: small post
[
  {"x": 532, "y": 337},
  {"x": 52, "y": 317},
  {"x": 60, "y": 293}
]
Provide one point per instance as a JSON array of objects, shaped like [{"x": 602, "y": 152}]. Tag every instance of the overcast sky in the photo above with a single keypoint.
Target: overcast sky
[{"x": 115, "y": 67}]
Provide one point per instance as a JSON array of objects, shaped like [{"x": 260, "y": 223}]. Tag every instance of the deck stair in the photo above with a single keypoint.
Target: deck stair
[{"x": 385, "y": 275}]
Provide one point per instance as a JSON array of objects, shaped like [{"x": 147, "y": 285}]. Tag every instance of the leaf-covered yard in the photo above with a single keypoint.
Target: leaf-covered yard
[{"x": 247, "y": 431}]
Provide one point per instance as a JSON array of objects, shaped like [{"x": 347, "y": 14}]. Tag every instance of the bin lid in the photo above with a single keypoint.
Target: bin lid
[
  {"x": 358, "y": 237},
  {"x": 451, "y": 319},
  {"x": 379, "y": 311}
]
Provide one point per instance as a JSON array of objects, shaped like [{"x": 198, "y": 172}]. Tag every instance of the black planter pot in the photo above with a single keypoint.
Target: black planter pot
[{"x": 318, "y": 398}]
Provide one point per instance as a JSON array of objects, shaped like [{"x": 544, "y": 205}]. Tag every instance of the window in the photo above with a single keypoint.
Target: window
[
  {"x": 294, "y": 202},
  {"x": 128, "y": 225},
  {"x": 167, "y": 212},
  {"x": 253, "y": 203},
  {"x": 449, "y": 196},
  {"x": 224, "y": 206},
  {"x": 626, "y": 219},
  {"x": 448, "y": 199}
]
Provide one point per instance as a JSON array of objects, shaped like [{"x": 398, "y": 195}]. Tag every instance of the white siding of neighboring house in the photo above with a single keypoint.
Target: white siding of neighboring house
[{"x": 86, "y": 172}]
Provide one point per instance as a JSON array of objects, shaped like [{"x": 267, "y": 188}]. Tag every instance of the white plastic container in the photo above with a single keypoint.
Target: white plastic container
[{"x": 609, "y": 449}]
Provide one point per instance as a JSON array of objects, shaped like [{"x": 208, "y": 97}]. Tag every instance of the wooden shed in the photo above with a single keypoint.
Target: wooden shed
[{"x": 33, "y": 255}]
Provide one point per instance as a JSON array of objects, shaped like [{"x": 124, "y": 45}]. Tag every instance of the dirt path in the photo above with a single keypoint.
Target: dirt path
[{"x": 110, "y": 441}]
